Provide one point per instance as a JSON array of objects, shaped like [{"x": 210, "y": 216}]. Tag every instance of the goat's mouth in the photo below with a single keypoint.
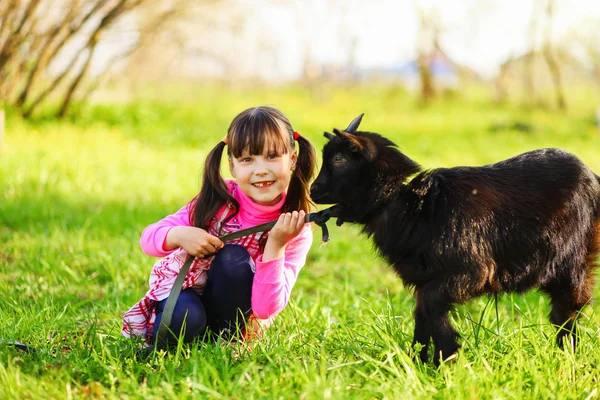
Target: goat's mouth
[{"x": 323, "y": 198}]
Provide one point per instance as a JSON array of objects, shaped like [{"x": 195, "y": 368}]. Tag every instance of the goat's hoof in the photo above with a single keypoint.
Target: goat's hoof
[{"x": 450, "y": 359}]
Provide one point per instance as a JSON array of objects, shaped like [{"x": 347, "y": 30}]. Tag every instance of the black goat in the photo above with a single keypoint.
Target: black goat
[{"x": 457, "y": 233}]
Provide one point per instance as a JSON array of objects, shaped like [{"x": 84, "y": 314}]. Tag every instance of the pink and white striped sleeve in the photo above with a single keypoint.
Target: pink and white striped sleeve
[
  {"x": 153, "y": 237},
  {"x": 274, "y": 280}
]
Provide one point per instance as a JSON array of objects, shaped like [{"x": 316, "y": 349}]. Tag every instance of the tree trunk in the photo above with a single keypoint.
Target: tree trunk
[
  {"x": 550, "y": 58},
  {"x": 11, "y": 44},
  {"x": 108, "y": 18},
  {"x": 34, "y": 33},
  {"x": 500, "y": 82},
  {"x": 69, "y": 95},
  {"x": 28, "y": 112},
  {"x": 427, "y": 45},
  {"x": 556, "y": 79},
  {"x": 427, "y": 91},
  {"x": 529, "y": 60}
]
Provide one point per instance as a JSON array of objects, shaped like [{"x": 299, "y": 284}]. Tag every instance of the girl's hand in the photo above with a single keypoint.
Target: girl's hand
[
  {"x": 195, "y": 241},
  {"x": 288, "y": 226}
]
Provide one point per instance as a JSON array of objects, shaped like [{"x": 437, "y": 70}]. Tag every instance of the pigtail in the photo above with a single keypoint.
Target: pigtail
[
  {"x": 213, "y": 193},
  {"x": 298, "y": 197}
]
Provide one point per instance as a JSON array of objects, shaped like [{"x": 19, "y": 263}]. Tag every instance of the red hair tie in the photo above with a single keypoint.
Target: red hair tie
[{"x": 296, "y": 135}]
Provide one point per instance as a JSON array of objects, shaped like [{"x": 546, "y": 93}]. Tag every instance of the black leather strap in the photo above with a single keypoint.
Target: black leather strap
[{"x": 19, "y": 346}]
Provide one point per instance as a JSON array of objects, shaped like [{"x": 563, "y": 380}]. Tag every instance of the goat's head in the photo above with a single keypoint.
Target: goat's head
[
  {"x": 354, "y": 162},
  {"x": 344, "y": 160}
]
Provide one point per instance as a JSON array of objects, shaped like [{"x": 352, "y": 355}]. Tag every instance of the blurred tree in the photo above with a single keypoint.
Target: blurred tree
[
  {"x": 427, "y": 43},
  {"x": 583, "y": 43},
  {"x": 500, "y": 82},
  {"x": 550, "y": 57},
  {"x": 431, "y": 29},
  {"x": 537, "y": 14},
  {"x": 47, "y": 46},
  {"x": 220, "y": 40}
]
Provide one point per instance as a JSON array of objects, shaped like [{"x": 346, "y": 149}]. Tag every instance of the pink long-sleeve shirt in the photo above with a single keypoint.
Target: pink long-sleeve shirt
[{"x": 273, "y": 280}]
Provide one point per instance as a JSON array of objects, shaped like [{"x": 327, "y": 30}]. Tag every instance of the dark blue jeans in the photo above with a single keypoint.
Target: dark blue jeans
[{"x": 224, "y": 304}]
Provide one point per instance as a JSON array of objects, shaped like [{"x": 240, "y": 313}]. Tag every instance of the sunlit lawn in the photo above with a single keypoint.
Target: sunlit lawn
[{"x": 75, "y": 196}]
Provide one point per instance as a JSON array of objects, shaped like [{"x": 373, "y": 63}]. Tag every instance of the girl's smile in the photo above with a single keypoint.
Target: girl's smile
[{"x": 261, "y": 185}]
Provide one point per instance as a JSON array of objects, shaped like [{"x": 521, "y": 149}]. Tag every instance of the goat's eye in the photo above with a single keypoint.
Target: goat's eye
[{"x": 339, "y": 160}]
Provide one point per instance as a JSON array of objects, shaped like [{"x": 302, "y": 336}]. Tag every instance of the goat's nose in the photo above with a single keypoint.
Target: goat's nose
[{"x": 314, "y": 188}]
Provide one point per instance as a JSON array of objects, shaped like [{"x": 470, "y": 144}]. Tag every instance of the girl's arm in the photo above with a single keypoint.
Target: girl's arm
[
  {"x": 153, "y": 237},
  {"x": 274, "y": 279}
]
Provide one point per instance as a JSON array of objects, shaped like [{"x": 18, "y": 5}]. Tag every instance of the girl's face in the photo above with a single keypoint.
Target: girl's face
[{"x": 263, "y": 177}]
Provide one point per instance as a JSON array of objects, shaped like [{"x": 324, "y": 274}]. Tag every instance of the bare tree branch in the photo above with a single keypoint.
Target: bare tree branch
[
  {"x": 37, "y": 37},
  {"x": 10, "y": 45},
  {"x": 91, "y": 88},
  {"x": 108, "y": 18},
  {"x": 52, "y": 45},
  {"x": 73, "y": 86}
]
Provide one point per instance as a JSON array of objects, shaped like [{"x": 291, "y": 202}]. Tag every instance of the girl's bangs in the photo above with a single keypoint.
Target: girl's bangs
[{"x": 254, "y": 133}]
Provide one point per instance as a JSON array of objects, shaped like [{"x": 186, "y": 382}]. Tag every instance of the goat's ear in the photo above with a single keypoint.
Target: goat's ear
[
  {"x": 328, "y": 135},
  {"x": 369, "y": 149},
  {"x": 358, "y": 144}
]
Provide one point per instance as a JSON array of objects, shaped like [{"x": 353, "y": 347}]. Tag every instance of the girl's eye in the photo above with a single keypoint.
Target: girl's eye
[
  {"x": 246, "y": 159},
  {"x": 272, "y": 156}
]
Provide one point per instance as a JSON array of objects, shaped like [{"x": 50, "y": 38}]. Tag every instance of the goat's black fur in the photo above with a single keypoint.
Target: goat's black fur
[{"x": 457, "y": 233}]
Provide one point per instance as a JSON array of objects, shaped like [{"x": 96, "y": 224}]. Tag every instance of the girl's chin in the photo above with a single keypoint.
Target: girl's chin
[{"x": 265, "y": 199}]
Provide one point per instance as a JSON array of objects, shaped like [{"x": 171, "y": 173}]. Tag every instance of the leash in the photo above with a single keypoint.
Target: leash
[
  {"x": 20, "y": 346},
  {"x": 319, "y": 218}
]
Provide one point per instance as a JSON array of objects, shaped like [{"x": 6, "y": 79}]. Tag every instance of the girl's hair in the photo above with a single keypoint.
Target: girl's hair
[{"x": 251, "y": 130}]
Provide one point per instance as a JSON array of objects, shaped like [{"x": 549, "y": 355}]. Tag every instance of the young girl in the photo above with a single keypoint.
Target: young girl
[{"x": 247, "y": 279}]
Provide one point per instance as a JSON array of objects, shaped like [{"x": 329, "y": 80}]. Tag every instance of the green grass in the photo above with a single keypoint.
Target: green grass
[{"x": 75, "y": 196}]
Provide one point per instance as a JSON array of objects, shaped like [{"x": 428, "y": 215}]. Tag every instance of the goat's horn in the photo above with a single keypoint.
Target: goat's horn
[{"x": 354, "y": 124}]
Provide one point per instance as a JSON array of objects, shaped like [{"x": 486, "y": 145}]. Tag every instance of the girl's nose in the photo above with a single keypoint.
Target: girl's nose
[{"x": 260, "y": 168}]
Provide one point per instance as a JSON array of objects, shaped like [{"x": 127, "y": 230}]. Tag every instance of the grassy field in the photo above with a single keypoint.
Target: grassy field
[{"x": 75, "y": 196}]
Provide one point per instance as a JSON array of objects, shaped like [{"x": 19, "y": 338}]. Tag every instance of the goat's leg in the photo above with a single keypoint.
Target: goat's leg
[
  {"x": 444, "y": 338},
  {"x": 431, "y": 321},
  {"x": 422, "y": 334},
  {"x": 567, "y": 299}
]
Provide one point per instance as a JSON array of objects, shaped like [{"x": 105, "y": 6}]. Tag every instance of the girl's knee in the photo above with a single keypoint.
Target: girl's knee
[
  {"x": 189, "y": 316},
  {"x": 233, "y": 262}
]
